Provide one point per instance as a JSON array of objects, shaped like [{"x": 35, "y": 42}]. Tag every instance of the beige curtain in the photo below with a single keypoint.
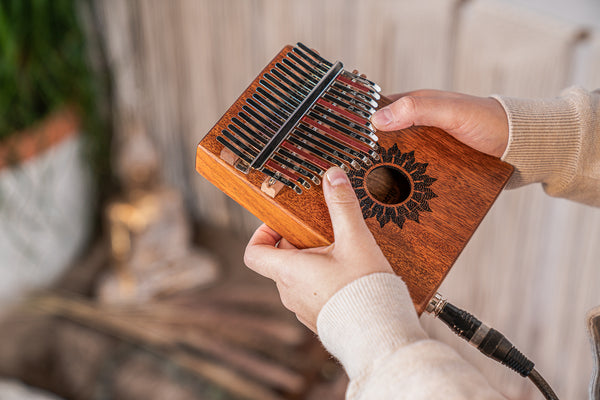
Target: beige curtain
[{"x": 531, "y": 269}]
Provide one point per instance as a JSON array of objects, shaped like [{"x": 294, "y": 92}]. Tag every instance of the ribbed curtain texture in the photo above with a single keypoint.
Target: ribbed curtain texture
[{"x": 532, "y": 269}]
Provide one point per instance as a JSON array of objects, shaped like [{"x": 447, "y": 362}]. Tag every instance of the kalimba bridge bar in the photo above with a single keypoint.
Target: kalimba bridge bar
[{"x": 305, "y": 116}]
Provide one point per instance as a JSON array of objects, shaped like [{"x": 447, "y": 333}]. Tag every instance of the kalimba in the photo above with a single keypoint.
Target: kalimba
[{"x": 422, "y": 193}]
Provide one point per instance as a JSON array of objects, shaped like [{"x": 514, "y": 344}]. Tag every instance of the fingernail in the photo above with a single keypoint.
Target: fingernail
[
  {"x": 382, "y": 117},
  {"x": 336, "y": 176}
]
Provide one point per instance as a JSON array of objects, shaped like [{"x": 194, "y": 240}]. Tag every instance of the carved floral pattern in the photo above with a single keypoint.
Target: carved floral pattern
[{"x": 418, "y": 200}]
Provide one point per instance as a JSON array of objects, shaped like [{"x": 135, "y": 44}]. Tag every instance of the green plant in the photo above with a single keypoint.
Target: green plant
[
  {"x": 43, "y": 63},
  {"x": 44, "y": 66}
]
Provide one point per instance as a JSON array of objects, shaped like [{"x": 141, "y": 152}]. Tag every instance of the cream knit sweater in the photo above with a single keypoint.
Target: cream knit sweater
[{"x": 370, "y": 326}]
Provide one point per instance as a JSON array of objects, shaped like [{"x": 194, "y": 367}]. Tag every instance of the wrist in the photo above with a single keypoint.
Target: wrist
[
  {"x": 368, "y": 319},
  {"x": 543, "y": 140}
]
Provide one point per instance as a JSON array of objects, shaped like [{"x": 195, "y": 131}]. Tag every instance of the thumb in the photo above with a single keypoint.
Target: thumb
[
  {"x": 344, "y": 210},
  {"x": 411, "y": 110}
]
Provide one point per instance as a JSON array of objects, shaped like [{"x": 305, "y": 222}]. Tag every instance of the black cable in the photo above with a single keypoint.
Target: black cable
[
  {"x": 542, "y": 385},
  {"x": 488, "y": 340}
]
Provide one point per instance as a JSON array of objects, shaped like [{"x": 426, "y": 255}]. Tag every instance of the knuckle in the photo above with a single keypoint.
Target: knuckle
[
  {"x": 249, "y": 258},
  {"x": 346, "y": 200},
  {"x": 408, "y": 105},
  {"x": 285, "y": 277},
  {"x": 287, "y": 301}
]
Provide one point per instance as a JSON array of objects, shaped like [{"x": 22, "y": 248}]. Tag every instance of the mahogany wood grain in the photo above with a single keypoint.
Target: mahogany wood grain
[{"x": 467, "y": 183}]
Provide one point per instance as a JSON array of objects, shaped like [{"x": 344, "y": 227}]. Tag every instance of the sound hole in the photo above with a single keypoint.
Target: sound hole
[{"x": 388, "y": 185}]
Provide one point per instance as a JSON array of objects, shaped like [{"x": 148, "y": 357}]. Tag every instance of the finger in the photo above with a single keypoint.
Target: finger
[
  {"x": 262, "y": 256},
  {"x": 284, "y": 244},
  {"x": 344, "y": 210},
  {"x": 443, "y": 112},
  {"x": 265, "y": 236}
]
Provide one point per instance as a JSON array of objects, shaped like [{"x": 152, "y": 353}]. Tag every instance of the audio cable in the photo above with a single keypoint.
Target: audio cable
[{"x": 488, "y": 340}]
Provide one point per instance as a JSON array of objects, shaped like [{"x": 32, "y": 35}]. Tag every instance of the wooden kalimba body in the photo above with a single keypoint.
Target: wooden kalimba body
[{"x": 422, "y": 192}]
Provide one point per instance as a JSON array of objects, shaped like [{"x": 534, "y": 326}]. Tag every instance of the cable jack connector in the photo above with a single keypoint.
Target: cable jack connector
[{"x": 488, "y": 340}]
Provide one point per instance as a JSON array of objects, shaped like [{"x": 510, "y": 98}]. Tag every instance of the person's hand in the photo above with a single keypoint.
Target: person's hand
[
  {"x": 479, "y": 122},
  {"x": 307, "y": 278}
]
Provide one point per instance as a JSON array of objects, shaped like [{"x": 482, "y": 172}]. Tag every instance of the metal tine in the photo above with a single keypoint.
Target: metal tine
[
  {"x": 280, "y": 115},
  {"x": 293, "y": 86},
  {"x": 271, "y": 107},
  {"x": 270, "y": 94},
  {"x": 304, "y": 163},
  {"x": 321, "y": 66},
  {"x": 294, "y": 166},
  {"x": 293, "y": 159},
  {"x": 304, "y": 51},
  {"x": 248, "y": 136},
  {"x": 260, "y": 135},
  {"x": 351, "y": 92},
  {"x": 299, "y": 71},
  {"x": 281, "y": 179},
  {"x": 346, "y": 149},
  {"x": 282, "y": 151},
  {"x": 313, "y": 159},
  {"x": 276, "y": 114},
  {"x": 285, "y": 130},
  {"x": 313, "y": 54},
  {"x": 274, "y": 100},
  {"x": 275, "y": 107},
  {"x": 365, "y": 81},
  {"x": 255, "y": 141},
  {"x": 242, "y": 146},
  {"x": 330, "y": 125},
  {"x": 325, "y": 111},
  {"x": 358, "y": 86},
  {"x": 298, "y": 85},
  {"x": 281, "y": 71},
  {"x": 363, "y": 115},
  {"x": 352, "y": 81},
  {"x": 238, "y": 152},
  {"x": 354, "y": 100},
  {"x": 258, "y": 118},
  {"x": 287, "y": 89},
  {"x": 324, "y": 147},
  {"x": 284, "y": 96},
  {"x": 322, "y": 137},
  {"x": 288, "y": 174},
  {"x": 333, "y": 96},
  {"x": 327, "y": 130},
  {"x": 323, "y": 118},
  {"x": 275, "y": 103},
  {"x": 303, "y": 145},
  {"x": 262, "y": 128},
  {"x": 319, "y": 74},
  {"x": 244, "y": 163},
  {"x": 314, "y": 142}
]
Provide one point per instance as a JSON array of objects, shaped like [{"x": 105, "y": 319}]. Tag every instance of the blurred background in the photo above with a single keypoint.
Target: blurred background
[{"x": 121, "y": 271}]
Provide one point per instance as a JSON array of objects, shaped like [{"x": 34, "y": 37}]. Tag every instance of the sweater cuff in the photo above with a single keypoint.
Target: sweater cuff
[
  {"x": 544, "y": 140},
  {"x": 368, "y": 319}
]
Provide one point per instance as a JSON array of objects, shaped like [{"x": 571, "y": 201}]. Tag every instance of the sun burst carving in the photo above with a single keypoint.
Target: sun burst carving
[{"x": 415, "y": 203}]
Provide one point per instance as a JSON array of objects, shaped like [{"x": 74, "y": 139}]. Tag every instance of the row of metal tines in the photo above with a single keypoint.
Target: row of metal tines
[{"x": 333, "y": 130}]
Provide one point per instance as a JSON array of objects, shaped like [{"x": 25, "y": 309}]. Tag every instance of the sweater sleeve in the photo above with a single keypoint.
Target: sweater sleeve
[
  {"x": 371, "y": 327},
  {"x": 556, "y": 142}
]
